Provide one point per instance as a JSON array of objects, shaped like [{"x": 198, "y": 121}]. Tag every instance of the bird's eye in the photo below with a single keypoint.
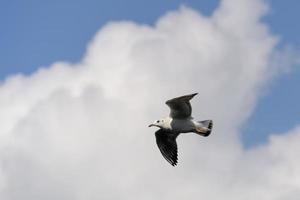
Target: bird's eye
[{"x": 157, "y": 121}]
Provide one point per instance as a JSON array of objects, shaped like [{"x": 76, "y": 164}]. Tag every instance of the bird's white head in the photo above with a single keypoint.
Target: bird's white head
[{"x": 161, "y": 123}]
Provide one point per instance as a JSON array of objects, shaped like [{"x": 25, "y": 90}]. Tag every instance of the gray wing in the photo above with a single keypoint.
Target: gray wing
[
  {"x": 180, "y": 106},
  {"x": 167, "y": 145}
]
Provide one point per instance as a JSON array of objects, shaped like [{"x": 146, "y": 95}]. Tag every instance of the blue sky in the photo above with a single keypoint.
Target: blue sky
[{"x": 38, "y": 33}]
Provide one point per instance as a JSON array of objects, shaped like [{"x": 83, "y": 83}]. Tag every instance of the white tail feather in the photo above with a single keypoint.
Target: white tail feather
[{"x": 204, "y": 128}]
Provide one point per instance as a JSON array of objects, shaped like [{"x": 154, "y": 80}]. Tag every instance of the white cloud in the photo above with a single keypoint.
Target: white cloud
[{"x": 80, "y": 131}]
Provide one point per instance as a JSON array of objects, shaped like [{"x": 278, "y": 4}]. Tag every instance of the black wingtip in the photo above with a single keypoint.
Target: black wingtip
[
  {"x": 194, "y": 94},
  {"x": 174, "y": 164}
]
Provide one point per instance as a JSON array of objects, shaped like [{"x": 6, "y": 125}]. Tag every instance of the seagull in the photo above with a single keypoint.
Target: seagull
[{"x": 179, "y": 121}]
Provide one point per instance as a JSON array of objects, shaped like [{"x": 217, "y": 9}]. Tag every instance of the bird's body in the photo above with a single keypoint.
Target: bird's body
[
  {"x": 179, "y": 121},
  {"x": 183, "y": 125}
]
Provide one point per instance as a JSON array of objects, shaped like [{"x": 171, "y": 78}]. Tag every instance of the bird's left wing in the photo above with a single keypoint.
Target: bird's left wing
[
  {"x": 180, "y": 106},
  {"x": 167, "y": 145}
]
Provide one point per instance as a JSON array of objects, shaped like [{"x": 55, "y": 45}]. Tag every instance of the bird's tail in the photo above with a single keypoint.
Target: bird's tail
[{"x": 204, "y": 128}]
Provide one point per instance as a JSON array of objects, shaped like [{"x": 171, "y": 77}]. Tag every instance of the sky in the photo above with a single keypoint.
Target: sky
[
  {"x": 35, "y": 34},
  {"x": 81, "y": 80}
]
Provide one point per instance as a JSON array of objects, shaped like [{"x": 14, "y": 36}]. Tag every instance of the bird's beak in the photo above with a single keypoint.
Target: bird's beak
[{"x": 151, "y": 125}]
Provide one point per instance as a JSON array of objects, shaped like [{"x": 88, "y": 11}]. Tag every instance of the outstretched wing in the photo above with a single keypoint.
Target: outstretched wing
[
  {"x": 166, "y": 142},
  {"x": 180, "y": 106}
]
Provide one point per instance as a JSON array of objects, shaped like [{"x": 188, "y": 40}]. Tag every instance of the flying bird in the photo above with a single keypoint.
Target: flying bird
[{"x": 179, "y": 121}]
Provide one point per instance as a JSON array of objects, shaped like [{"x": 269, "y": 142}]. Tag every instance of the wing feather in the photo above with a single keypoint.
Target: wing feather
[
  {"x": 166, "y": 142},
  {"x": 180, "y": 106}
]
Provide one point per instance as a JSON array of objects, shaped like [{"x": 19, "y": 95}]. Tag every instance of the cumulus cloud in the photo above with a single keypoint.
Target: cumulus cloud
[{"x": 79, "y": 131}]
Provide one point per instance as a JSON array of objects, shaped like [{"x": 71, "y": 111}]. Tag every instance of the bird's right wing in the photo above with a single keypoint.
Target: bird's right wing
[
  {"x": 180, "y": 106},
  {"x": 167, "y": 145}
]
